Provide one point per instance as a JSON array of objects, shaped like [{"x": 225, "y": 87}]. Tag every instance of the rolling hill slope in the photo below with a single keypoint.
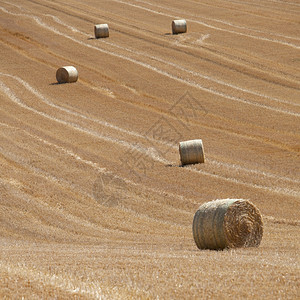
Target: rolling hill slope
[{"x": 93, "y": 200}]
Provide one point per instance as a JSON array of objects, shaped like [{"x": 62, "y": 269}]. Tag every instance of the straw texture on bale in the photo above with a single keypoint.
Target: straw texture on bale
[
  {"x": 179, "y": 26},
  {"x": 101, "y": 31},
  {"x": 191, "y": 152},
  {"x": 66, "y": 74},
  {"x": 228, "y": 223}
]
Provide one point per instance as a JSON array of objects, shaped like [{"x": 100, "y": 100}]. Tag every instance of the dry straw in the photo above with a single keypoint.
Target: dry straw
[
  {"x": 101, "y": 31},
  {"x": 67, "y": 74},
  {"x": 191, "y": 152},
  {"x": 228, "y": 223},
  {"x": 179, "y": 26}
]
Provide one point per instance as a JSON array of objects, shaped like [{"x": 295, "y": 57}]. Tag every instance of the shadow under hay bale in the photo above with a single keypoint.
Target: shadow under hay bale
[{"x": 228, "y": 223}]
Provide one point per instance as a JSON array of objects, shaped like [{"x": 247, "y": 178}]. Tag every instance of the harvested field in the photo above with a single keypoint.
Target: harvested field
[{"x": 93, "y": 200}]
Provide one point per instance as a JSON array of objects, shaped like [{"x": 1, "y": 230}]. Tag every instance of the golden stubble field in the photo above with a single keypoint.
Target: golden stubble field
[{"x": 93, "y": 203}]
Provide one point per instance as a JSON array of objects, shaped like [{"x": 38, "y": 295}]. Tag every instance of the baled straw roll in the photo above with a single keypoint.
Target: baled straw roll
[
  {"x": 228, "y": 223},
  {"x": 101, "y": 31},
  {"x": 191, "y": 152},
  {"x": 179, "y": 26},
  {"x": 66, "y": 74}
]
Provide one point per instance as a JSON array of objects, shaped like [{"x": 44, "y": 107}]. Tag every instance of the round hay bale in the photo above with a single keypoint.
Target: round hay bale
[
  {"x": 191, "y": 152},
  {"x": 101, "y": 31},
  {"x": 179, "y": 26},
  {"x": 67, "y": 74},
  {"x": 228, "y": 223}
]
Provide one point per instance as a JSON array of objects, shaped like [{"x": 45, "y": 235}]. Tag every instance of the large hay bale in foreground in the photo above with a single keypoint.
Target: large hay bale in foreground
[
  {"x": 66, "y": 74},
  {"x": 191, "y": 152},
  {"x": 101, "y": 31},
  {"x": 179, "y": 26},
  {"x": 228, "y": 223}
]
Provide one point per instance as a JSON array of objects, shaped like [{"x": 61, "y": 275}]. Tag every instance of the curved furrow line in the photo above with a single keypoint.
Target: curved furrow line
[
  {"x": 278, "y": 10},
  {"x": 96, "y": 166},
  {"x": 203, "y": 124},
  {"x": 176, "y": 66},
  {"x": 215, "y": 163},
  {"x": 190, "y": 83},
  {"x": 215, "y": 20},
  {"x": 211, "y": 26},
  {"x": 219, "y": 129},
  {"x": 279, "y": 190},
  {"x": 251, "y": 171},
  {"x": 152, "y": 153},
  {"x": 199, "y": 75},
  {"x": 20, "y": 7},
  {"x": 274, "y": 1},
  {"x": 285, "y": 2},
  {"x": 62, "y": 145},
  {"x": 282, "y": 221},
  {"x": 75, "y": 30},
  {"x": 161, "y": 72},
  {"x": 100, "y": 89},
  {"x": 219, "y": 21},
  {"x": 138, "y": 135},
  {"x": 72, "y": 187},
  {"x": 249, "y": 10},
  {"x": 78, "y": 190},
  {"x": 67, "y": 152},
  {"x": 214, "y": 52},
  {"x": 55, "y": 211},
  {"x": 258, "y": 4},
  {"x": 16, "y": 157}
]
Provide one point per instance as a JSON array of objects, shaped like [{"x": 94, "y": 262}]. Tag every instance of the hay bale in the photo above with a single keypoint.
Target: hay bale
[
  {"x": 228, "y": 223},
  {"x": 191, "y": 152},
  {"x": 67, "y": 74},
  {"x": 179, "y": 26},
  {"x": 101, "y": 31}
]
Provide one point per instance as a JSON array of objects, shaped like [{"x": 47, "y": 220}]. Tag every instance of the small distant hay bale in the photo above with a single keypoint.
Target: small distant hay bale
[
  {"x": 228, "y": 223},
  {"x": 67, "y": 74},
  {"x": 191, "y": 152},
  {"x": 179, "y": 26},
  {"x": 101, "y": 31}
]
